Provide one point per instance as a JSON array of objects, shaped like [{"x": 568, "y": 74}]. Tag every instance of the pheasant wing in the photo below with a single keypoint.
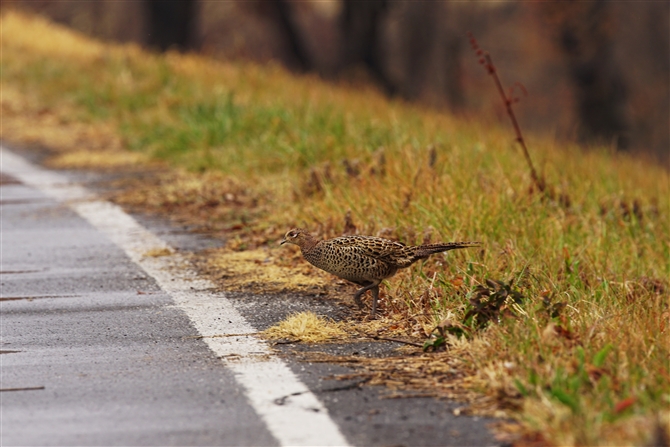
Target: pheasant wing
[{"x": 373, "y": 247}]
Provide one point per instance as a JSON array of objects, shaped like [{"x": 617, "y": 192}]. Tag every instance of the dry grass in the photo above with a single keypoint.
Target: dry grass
[
  {"x": 248, "y": 152},
  {"x": 158, "y": 252},
  {"x": 257, "y": 270},
  {"x": 88, "y": 159},
  {"x": 307, "y": 327}
]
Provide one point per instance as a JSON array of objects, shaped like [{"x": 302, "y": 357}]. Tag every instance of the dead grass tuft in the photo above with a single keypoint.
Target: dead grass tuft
[
  {"x": 107, "y": 160},
  {"x": 257, "y": 270},
  {"x": 307, "y": 327},
  {"x": 158, "y": 252},
  {"x": 46, "y": 39}
]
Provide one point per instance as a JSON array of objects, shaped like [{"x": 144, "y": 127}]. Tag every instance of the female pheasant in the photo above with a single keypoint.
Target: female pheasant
[{"x": 364, "y": 260}]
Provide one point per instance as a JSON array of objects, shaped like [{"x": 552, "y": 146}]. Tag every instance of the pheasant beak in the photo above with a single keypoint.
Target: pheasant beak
[{"x": 283, "y": 241}]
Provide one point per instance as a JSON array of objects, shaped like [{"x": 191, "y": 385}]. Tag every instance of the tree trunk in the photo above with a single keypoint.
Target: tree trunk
[
  {"x": 360, "y": 23},
  {"x": 584, "y": 36},
  {"x": 171, "y": 24}
]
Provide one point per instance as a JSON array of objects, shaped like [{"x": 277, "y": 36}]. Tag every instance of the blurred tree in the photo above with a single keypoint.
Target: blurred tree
[
  {"x": 426, "y": 50},
  {"x": 453, "y": 85},
  {"x": 291, "y": 32},
  {"x": 171, "y": 24},
  {"x": 281, "y": 14},
  {"x": 360, "y": 22},
  {"x": 584, "y": 33},
  {"x": 419, "y": 26}
]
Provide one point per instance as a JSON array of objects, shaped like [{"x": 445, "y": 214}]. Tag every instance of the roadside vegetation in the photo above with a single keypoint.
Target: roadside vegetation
[{"x": 561, "y": 320}]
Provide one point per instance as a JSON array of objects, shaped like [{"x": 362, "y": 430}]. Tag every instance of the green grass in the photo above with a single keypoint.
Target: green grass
[{"x": 283, "y": 143}]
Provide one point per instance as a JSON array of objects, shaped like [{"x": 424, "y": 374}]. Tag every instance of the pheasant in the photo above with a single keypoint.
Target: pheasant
[{"x": 364, "y": 260}]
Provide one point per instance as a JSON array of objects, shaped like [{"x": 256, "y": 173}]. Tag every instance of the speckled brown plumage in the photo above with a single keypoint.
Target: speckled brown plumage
[{"x": 364, "y": 260}]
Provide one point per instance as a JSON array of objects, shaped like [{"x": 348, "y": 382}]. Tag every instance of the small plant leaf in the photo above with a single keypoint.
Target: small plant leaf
[
  {"x": 600, "y": 356},
  {"x": 490, "y": 303},
  {"x": 519, "y": 386},
  {"x": 433, "y": 344},
  {"x": 566, "y": 399}
]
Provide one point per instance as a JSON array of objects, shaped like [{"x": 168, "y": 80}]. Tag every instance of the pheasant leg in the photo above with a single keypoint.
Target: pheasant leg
[
  {"x": 375, "y": 297},
  {"x": 357, "y": 297}
]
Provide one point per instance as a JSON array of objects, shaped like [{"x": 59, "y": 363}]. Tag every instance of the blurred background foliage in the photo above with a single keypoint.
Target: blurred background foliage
[{"x": 596, "y": 72}]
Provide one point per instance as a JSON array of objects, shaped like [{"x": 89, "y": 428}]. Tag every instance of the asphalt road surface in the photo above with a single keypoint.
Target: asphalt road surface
[{"x": 102, "y": 345}]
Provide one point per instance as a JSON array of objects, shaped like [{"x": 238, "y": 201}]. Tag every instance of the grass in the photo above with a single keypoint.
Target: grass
[
  {"x": 248, "y": 152},
  {"x": 308, "y": 327}
]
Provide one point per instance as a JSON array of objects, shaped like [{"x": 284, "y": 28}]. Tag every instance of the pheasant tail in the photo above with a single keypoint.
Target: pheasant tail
[{"x": 423, "y": 251}]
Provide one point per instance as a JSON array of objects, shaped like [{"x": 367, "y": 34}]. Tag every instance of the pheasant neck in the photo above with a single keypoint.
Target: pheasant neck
[{"x": 308, "y": 243}]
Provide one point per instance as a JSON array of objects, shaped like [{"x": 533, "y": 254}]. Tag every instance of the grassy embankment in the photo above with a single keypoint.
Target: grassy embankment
[{"x": 249, "y": 152}]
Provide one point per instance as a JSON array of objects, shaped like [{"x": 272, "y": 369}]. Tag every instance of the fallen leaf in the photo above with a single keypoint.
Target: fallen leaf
[{"x": 624, "y": 404}]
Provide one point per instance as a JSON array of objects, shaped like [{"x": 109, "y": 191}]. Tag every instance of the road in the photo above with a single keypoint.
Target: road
[{"x": 102, "y": 345}]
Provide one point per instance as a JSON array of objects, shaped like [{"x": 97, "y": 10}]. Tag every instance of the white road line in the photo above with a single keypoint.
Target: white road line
[{"x": 292, "y": 413}]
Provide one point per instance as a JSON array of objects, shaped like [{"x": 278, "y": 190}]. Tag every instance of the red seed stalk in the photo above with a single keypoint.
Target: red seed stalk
[{"x": 485, "y": 60}]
